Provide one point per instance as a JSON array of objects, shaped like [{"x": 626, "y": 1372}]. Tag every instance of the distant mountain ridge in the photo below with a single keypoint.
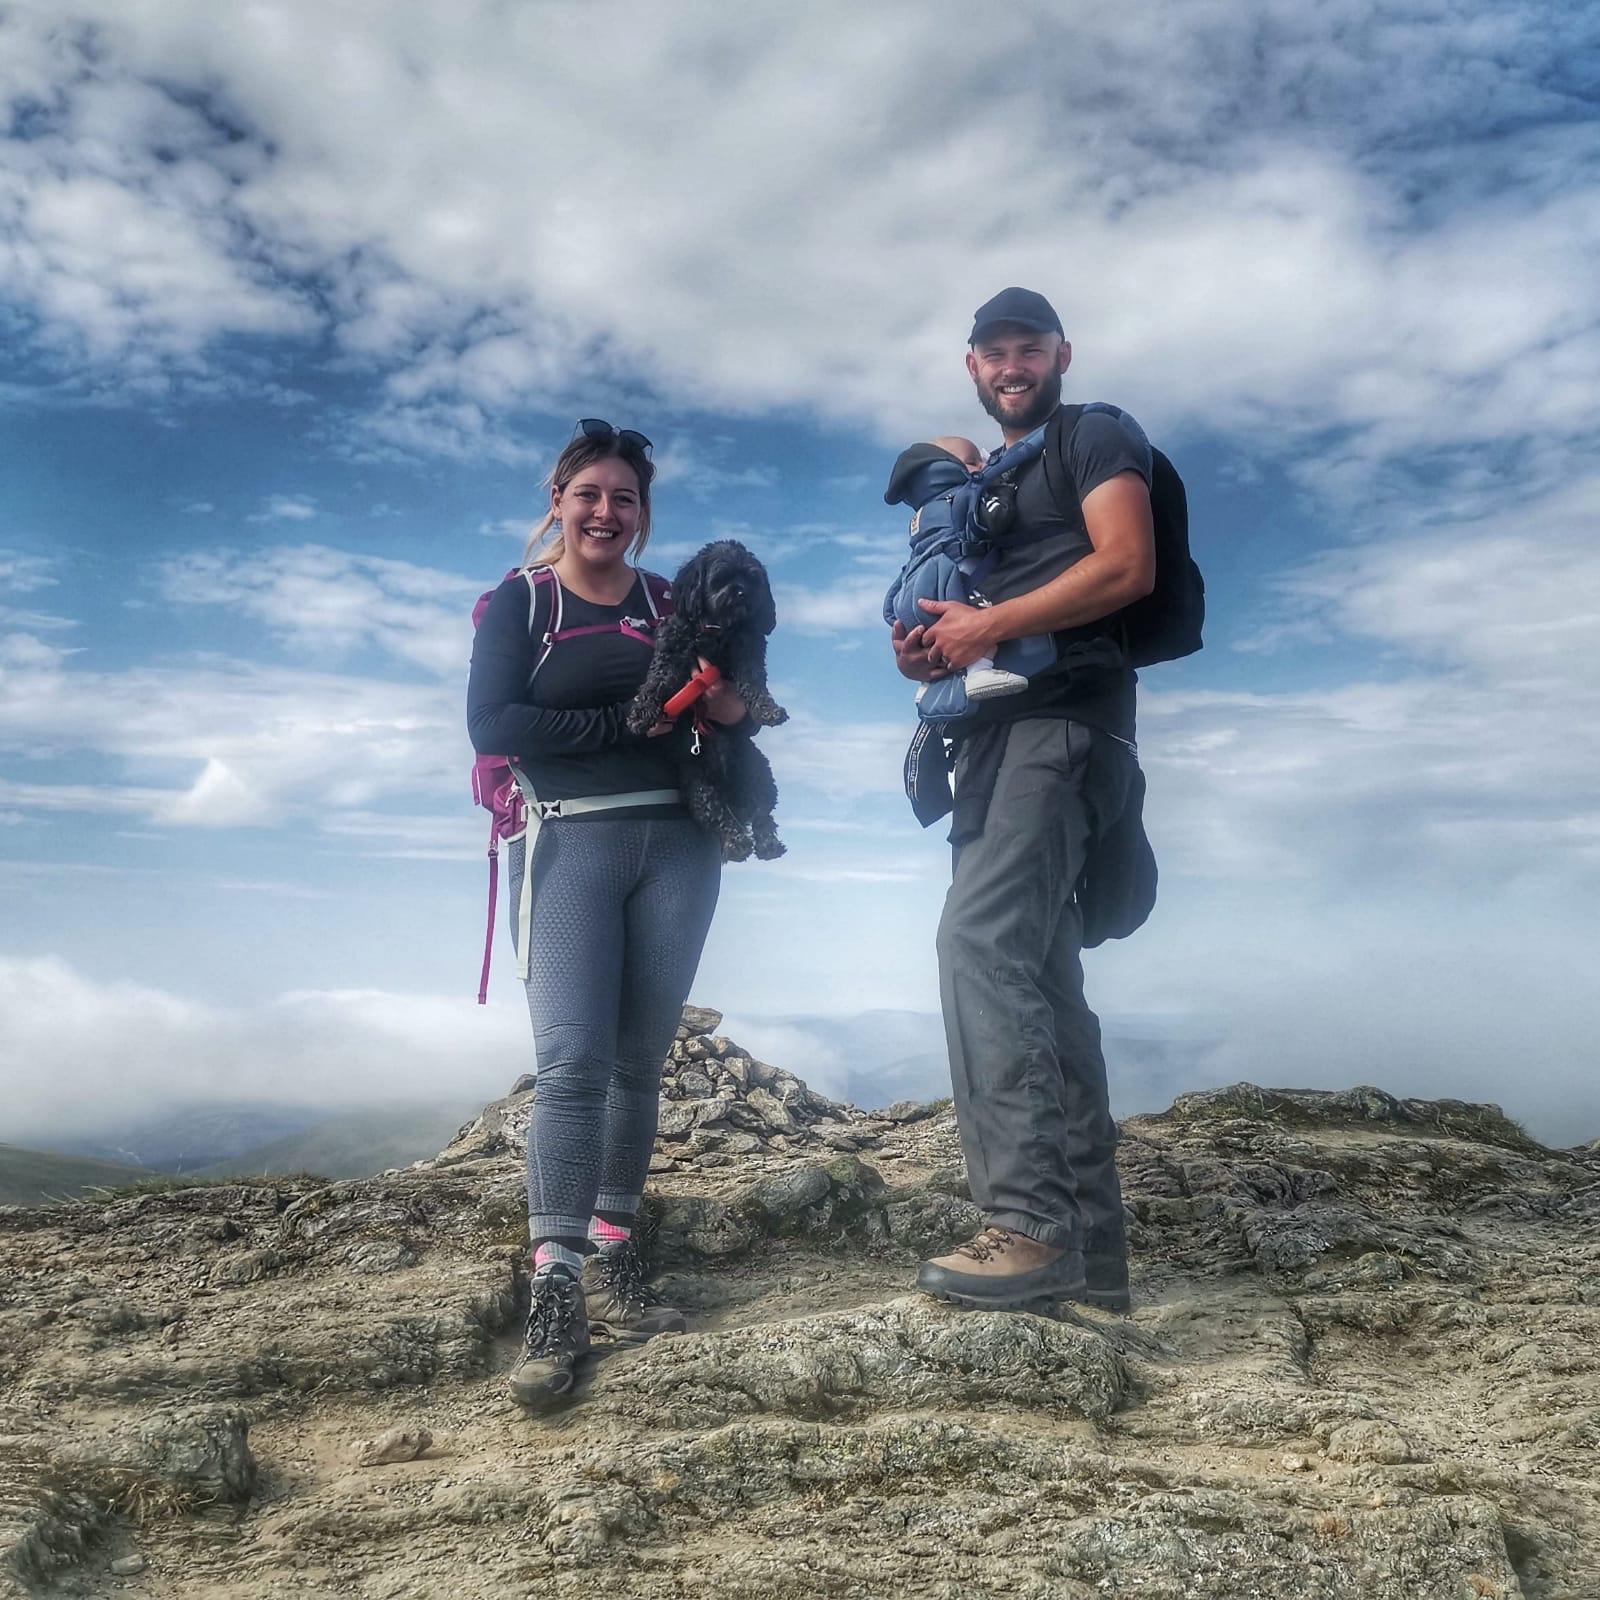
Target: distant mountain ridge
[
  {"x": 354, "y": 1144},
  {"x": 189, "y": 1137},
  {"x": 36, "y": 1177}
]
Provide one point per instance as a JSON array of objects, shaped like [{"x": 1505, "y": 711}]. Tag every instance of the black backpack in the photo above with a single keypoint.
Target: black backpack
[{"x": 1165, "y": 625}]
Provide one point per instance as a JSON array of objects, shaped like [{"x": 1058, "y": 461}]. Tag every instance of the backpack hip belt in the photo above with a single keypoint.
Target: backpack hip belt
[{"x": 540, "y": 812}]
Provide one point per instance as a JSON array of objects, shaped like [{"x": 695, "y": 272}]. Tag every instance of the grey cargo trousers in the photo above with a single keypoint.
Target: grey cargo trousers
[{"x": 1025, "y": 1060}]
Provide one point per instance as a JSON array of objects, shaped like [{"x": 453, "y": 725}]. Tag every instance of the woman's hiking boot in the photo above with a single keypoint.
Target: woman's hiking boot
[
  {"x": 999, "y": 1270},
  {"x": 620, "y": 1302},
  {"x": 558, "y": 1334}
]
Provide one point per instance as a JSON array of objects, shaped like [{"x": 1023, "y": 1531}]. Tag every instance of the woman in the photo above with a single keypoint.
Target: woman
[{"x": 623, "y": 885}]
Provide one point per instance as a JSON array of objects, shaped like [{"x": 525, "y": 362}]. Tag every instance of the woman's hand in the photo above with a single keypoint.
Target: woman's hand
[{"x": 722, "y": 702}]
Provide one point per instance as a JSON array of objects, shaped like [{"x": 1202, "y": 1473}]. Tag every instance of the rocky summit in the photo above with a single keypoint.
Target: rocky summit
[{"x": 1363, "y": 1364}]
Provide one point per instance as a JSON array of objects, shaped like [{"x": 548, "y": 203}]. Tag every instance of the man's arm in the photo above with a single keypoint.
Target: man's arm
[{"x": 1120, "y": 569}]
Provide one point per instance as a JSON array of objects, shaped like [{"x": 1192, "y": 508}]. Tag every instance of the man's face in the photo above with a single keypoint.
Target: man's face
[{"x": 1017, "y": 373}]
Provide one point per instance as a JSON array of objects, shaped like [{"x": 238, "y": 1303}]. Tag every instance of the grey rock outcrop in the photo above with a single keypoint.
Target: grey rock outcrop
[{"x": 1363, "y": 1364}]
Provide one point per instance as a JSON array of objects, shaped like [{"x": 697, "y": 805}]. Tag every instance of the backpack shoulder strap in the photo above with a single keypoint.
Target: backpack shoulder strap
[
  {"x": 1062, "y": 485},
  {"x": 1015, "y": 457},
  {"x": 657, "y": 595},
  {"x": 544, "y": 612}
]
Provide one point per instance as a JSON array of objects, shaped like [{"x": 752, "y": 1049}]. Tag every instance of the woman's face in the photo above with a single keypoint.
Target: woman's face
[{"x": 599, "y": 512}]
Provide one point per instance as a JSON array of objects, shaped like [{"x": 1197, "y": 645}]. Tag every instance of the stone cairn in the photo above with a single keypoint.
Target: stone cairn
[
  {"x": 719, "y": 1102},
  {"x": 718, "y": 1105}
]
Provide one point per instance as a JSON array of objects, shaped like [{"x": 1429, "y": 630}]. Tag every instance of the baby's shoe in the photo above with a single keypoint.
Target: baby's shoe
[{"x": 987, "y": 683}]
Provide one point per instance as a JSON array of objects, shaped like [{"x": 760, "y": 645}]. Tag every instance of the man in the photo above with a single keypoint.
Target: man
[{"x": 1039, "y": 781}]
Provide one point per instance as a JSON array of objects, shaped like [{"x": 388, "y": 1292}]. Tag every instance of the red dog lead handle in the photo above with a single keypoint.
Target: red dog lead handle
[{"x": 697, "y": 685}]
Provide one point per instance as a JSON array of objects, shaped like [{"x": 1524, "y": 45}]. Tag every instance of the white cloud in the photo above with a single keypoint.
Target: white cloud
[
  {"x": 459, "y": 429},
  {"x": 687, "y": 463},
  {"x": 81, "y": 1053},
  {"x": 118, "y": 201},
  {"x": 332, "y": 601},
  {"x": 1455, "y": 757},
  {"x": 839, "y": 761},
  {"x": 217, "y": 744},
  {"x": 24, "y": 650},
  {"x": 285, "y": 508},
  {"x": 1271, "y": 215},
  {"x": 515, "y": 529},
  {"x": 24, "y": 574},
  {"x": 845, "y": 605}
]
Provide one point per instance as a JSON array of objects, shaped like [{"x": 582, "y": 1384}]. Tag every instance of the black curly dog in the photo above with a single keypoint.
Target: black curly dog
[{"x": 722, "y": 610}]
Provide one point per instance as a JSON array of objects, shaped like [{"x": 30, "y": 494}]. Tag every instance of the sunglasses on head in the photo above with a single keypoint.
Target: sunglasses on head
[{"x": 599, "y": 428}]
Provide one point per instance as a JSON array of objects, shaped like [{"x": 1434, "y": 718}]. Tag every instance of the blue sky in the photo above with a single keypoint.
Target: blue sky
[{"x": 297, "y": 311}]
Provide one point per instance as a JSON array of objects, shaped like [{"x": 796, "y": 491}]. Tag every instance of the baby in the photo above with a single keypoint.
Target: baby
[
  {"x": 950, "y": 554},
  {"x": 964, "y": 450}
]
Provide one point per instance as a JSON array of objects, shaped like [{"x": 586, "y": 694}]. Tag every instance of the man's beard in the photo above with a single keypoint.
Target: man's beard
[{"x": 1045, "y": 399}]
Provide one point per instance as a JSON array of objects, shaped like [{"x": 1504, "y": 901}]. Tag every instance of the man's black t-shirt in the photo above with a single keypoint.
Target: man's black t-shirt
[{"x": 1092, "y": 681}]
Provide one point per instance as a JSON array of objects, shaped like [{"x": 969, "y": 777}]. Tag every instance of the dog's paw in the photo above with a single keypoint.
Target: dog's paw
[
  {"x": 765, "y": 711},
  {"x": 736, "y": 846},
  {"x": 764, "y": 835}
]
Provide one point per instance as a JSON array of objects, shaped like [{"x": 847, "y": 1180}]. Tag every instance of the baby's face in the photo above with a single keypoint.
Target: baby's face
[{"x": 964, "y": 450}]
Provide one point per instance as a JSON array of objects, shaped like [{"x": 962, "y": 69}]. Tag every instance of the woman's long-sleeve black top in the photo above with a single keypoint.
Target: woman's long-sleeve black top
[{"x": 564, "y": 729}]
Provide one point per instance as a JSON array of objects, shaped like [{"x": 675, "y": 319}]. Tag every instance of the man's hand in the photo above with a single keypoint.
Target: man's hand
[
  {"x": 959, "y": 634},
  {"x": 912, "y": 657}
]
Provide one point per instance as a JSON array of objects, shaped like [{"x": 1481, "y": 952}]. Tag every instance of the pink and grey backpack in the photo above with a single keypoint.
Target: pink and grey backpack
[{"x": 494, "y": 783}]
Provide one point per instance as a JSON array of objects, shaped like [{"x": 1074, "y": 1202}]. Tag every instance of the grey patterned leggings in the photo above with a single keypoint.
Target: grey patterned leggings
[{"x": 621, "y": 908}]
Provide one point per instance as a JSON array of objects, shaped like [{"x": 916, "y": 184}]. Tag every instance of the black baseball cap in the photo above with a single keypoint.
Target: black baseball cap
[{"x": 1022, "y": 306}]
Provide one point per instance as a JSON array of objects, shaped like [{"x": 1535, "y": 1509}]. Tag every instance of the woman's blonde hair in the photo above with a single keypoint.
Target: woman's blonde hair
[{"x": 543, "y": 551}]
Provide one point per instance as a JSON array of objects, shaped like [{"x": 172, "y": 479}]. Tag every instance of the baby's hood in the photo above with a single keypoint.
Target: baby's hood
[{"x": 921, "y": 472}]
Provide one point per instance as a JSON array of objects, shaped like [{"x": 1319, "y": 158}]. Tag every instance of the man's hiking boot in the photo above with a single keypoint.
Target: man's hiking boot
[
  {"x": 620, "y": 1302},
  {"x": 1106, "y": 1281},
  {"x": 1105, "y": 1265},
  {"x": 1003, "y": 1271},
  {"x": 558, "y": 1335}
]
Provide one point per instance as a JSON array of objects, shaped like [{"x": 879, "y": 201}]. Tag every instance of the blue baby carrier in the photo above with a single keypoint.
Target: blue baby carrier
[{"x": 958, "y": 518}]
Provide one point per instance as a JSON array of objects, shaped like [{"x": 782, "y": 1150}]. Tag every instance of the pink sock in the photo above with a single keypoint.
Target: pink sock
[
  {"x": 550, "y": 1254},
  {"x": 603, "y": 1232}
]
